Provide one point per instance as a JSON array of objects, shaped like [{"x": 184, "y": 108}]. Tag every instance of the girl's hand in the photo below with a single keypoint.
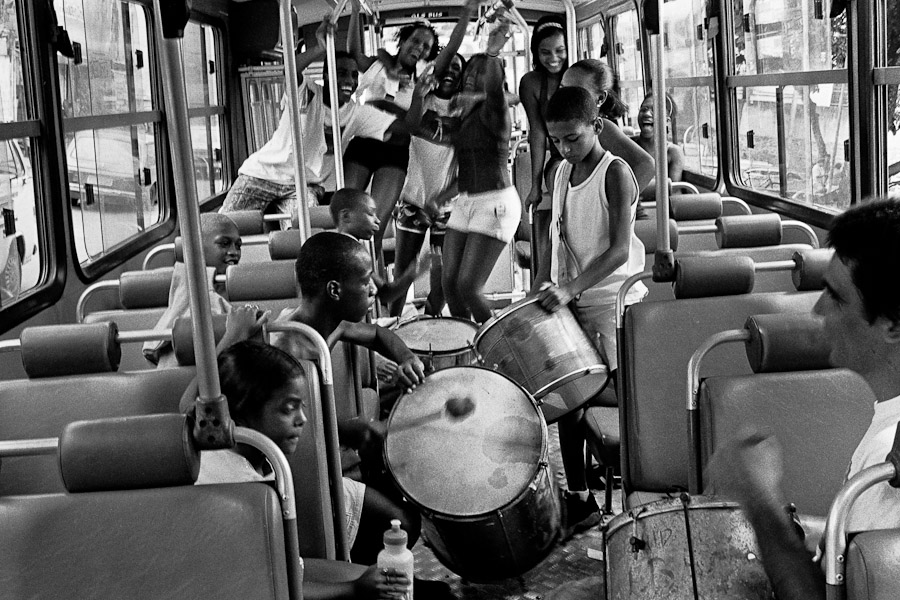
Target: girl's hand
[
  {"x": 243, "y": 322},
  {"x": 533, "y": 199},
  {"x": 324, "y": 27},
  {"x": 381, "y": 584},
  {"x": 498, "y": 38},
  {"x": 553, "y": 297},
  {"x": 426, "y": 83}
]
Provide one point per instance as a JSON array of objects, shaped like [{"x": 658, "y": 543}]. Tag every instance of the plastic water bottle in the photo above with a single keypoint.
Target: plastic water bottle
[{"x": 397, "y": 556}]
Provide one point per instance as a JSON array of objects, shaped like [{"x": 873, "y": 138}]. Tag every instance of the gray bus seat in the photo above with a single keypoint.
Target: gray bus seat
[{"x": 872, "y": 559}]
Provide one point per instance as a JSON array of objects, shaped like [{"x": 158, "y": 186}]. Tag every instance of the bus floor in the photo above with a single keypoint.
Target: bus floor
[{"x": 568, "y": 573}]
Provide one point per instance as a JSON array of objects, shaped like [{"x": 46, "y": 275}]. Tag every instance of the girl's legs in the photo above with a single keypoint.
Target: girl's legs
[
  {"x": 408, "y": 246},
  {"x": 454, "y": 246},
  {"x": 387, "y": 183},
  {"x": 540, "y": 236},
  {"x": 571, "y": 447},
  {"x": 434, "y": 304},
  {"x": 478, "y": 258},
  {"x": 377, "y": 512}
]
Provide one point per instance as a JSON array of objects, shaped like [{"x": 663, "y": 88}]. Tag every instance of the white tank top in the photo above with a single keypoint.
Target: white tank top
[
  {"x": 375, "y": 84},
  {"x": 582, "y": 213}
]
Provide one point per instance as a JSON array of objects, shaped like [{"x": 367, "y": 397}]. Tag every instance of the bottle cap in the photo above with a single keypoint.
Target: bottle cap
[{"x": 395, "y": 536}]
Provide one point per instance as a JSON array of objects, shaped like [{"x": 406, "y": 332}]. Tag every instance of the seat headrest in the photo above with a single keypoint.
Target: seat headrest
[
  {"x": 249, "y": 222},
  {"x": 183, "y": 338},
  {"x": 127, "y": 453},
  {"x": 645, "y": 229},
  {"x": 274, "y": 280},
  {"x": 320, "y": 217},
  {"x": 809, "y": 268},
  {"x": 145, "y": 289},
  {"x": 694, "y": 207},
  {"x": 59, "y": 350},
  {"x": 705, "y": 276},
  {"x": 787, "y": 342},
  {"x": 285, "y": 245},
  {"x": 748, "y": 231}
]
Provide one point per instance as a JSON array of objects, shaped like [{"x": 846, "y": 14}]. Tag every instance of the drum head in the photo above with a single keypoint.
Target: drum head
[
  {"x": 433, "y": 334},
  {"x": 471, "y": 465}
]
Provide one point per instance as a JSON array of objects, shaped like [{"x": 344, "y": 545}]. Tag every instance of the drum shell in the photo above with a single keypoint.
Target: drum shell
[
  {"x": 726, "y": 557},
  {"x": 501, "y": 544},
  {"x": 435, "y": 360},
  {"x": 543, "y": 352}
]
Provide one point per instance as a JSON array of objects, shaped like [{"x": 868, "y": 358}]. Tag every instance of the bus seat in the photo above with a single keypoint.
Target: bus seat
[
  {"x": 646, "y": 232},
  {"x": 158, "y": 541},
  {"x": 272, "y": 285},
  {"x": 285, "y": 245},
  {"x": 872, "y": 559},
  {"x": 41, "y": 408},
  {"x": 748, "y": 231},
  {"x": 60, "y": 350},
  {"x": 320, "y": 217},
  {"x": 249, "y": 222},
  {"x": 695, "y": 207},
  {"x": 657, "y": 340},
  {"x": 130, "y": 320},
  {"x": 145, "y": 289},
  {"x": 811, "y": 267},
  {"x": 700, "y": 277},
  {"x": 817, "y": 413}
]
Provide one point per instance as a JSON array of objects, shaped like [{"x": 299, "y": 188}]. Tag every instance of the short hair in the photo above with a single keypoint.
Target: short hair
[
  {"x": 407, "y": 30},
  {"x": 346, "y": 198},
  {"x": 547, "y": 26},
  {"x": 210, "y": 222},
  {"x": 867, "y": 239},
  {"x": 252, "y": 372},
  {"x": 324, "y": 257},
  {"x": 671, "y": 107},
  {"x": 571, "y": 104},
  {"x": 605, "y": 80}
]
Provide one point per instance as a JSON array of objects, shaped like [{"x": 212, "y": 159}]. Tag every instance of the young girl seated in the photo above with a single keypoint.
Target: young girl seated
[
  {"x": 646, "y": 140},
  {"x": 265, "y": 388},
  {"x": 221, "y": 248}
]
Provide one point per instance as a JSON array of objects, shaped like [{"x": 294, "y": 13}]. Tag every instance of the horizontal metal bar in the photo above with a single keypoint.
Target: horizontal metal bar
[
  {"x": 10, "y": 345},
  {"x": 886, "y": 75},
  {"x": 774, "y": 265},
  {"x": 683, "y": 82},
  {"x": 20, "y": 129},
  {"x": 206, "y": 111},
  {"x": 144, "y": 335},
  {"x": 109, "y": 121},
  {"x": 32, "y": 447},
  {"x": 785, "y": 79},
  {"x": 689, "y": 229}
]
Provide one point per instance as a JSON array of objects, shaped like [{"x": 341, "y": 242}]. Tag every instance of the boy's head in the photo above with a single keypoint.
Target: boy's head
[
  {"x": 221, "y": 241},
  {"x": 335, "y": 271},
  {"x": 572, "y": 123},
  {"x": 347, "y": 75},
  {"x": 354, "y": 213}
]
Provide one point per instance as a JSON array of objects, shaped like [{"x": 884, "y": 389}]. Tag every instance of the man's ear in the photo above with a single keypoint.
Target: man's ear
[
  {"x": 598, "y": 125},
  {"x": 333, "y": 290},
  {"x": 601, "y": 99},
  {"x": 891, "y": 331}
]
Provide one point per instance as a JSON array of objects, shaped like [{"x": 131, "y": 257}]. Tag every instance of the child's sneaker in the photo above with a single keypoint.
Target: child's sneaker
[{"x": 578, "y": 515}]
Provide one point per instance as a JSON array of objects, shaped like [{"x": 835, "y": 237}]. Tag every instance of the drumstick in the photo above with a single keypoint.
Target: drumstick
[{"x": 457, "y": 408}]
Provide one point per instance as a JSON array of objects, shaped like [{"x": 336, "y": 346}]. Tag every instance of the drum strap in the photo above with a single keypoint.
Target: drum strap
[{"x": 685, "y": 501}]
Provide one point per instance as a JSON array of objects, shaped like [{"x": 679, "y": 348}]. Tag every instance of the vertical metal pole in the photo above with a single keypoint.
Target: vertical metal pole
[
  {"x": 782, "y": 143},
  {"x": 571, "y": 32},
  {"x": 214, "y": 428},
  {"x": 659, "y": 133},
  {"x": 523, "y": 26},
  {"x": 299, "y": 211},
  {"x": 335, "y": 115}
]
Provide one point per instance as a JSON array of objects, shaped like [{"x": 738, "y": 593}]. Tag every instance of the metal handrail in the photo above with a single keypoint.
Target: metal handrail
[{"x": 90, "y": 291}]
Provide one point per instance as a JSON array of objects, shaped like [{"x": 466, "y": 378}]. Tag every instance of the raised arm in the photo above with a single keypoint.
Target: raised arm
[
  {"x": 495, "y": 108},
  {"x": 456, "y": 37},
  {"x": 308, "y": 57},
  {"x": 354, "y": 41},
  {"x": 641, "y": 163}
]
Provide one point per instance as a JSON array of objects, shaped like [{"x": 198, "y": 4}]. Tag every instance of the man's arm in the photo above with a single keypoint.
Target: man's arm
[
  {"x": 384, "y": 342},
  {"x": 308, "y": 57},
  {"x": 749, "y": 470},
  {"x": 354, "y": 42}
]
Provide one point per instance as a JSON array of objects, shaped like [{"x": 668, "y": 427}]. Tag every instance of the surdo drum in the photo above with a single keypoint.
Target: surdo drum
[
  {"x": 684, "y": 549},
  {"x": 440, "y": 342},
  {"x": 545, "y": 352},
  {"x": 490, "y": 508}
]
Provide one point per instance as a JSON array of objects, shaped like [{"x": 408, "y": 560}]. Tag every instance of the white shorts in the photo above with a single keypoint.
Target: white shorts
[
  {"x": 354, "y": 492},
  {"x": 495, "y": 214}
]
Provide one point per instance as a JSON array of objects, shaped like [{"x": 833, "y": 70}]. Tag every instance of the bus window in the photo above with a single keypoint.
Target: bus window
[
  {"x": 112, "y": 168},
  {"x": 201, "y": 54},
  {"x": 792, "y": 106},
  {"x": 591, "y": 40},
  {"x": 21, "y": 255},
  {"x": 628, "y": 63},
  {"x": 689, "y": 80},
  {"x": 892, "y": 59}
]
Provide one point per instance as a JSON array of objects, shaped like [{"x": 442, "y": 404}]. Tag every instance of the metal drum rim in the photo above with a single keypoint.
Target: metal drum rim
[
  {"x": 499, "y": 316},
  {"x": 627, "y": 517},
  {"x": 543, "y": 463},
  {"x": 419, "y": 351},
  {"x": 572, "y": 376}
]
